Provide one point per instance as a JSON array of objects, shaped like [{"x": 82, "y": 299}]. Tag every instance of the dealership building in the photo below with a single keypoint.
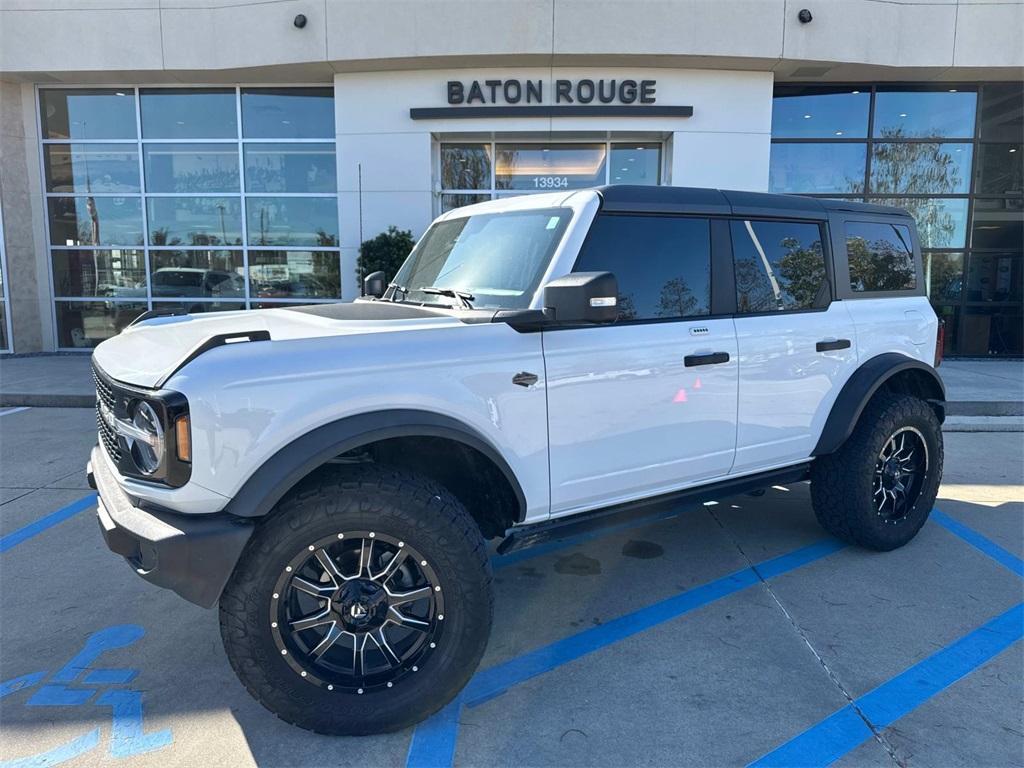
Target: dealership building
[{"x": 222, "y": 154}]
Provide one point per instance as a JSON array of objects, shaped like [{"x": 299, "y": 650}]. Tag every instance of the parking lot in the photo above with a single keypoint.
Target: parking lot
[{"x": 726, "y": 635}]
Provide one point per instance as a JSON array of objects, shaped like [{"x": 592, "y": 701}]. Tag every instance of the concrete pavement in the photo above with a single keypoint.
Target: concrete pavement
[{"x": 659, "y": 651}]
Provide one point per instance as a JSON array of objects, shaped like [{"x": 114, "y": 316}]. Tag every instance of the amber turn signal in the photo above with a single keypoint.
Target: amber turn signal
[{"x": 183, "y": 438}]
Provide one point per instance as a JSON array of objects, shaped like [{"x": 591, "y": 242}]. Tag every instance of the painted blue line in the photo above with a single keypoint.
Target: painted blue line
[
  {"x": 979, "y": 542},
  {"x": 844, "y": 731},
  {"x": 60, "y": 696},
  {"x": 110, "y": 676},
  {"x": 46, "y": 522},
  {"x": 504, "y": 561},
  {"x": 127, "y": 737},
  {"x": 433, "y": 741},
  {"x": 496, "y": 680}
]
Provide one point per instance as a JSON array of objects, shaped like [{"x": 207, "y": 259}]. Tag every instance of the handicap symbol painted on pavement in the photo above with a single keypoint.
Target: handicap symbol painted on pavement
[{"x": 76, "y": 684}]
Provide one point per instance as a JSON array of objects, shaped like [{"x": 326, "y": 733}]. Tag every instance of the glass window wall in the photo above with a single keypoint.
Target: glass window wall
[
  {"x": 953, "y": 156},
  {"x": 163, "y": 197}
]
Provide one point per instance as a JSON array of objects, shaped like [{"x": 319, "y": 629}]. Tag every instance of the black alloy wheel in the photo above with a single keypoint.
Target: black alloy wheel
[
  {"x": 357, "y": 611},
  {"x": 900, "y": 473}
]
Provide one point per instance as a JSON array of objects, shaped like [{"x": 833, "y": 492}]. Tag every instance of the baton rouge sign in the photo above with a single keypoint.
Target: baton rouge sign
[
  {"x": 565, "y": 98},
  {"x": 566, "y": 91}
]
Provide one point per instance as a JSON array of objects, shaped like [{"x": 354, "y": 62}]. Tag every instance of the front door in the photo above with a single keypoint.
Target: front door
[{"x": 646, "y": 405}]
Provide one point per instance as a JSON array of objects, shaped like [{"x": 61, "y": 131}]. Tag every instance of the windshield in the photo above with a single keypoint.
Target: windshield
[{"x": 497, "y": 258}]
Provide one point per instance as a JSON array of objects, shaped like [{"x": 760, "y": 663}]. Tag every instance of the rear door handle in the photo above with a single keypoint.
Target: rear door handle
[
  {"x": 710, "y": 359},
  {"x": 832, "y": 344}
]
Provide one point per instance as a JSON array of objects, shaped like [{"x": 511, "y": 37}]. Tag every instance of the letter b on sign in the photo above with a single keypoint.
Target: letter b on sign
[{"x": 456, "y": 93}]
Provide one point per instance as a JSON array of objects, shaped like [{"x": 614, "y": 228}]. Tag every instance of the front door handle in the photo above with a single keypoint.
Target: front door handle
[
  {"x": 832, "y": 344},
  {"x": 709, "y": 359}
]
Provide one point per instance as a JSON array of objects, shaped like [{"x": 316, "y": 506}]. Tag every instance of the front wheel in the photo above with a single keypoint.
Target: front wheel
[
  {"x": 879, "y": 487},
  {"x": 363, "y": 604}
]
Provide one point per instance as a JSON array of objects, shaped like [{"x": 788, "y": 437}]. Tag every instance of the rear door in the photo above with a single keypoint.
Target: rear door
[
  {"x": 646, "y": 405},
  {"x": 797, "y": 346}
]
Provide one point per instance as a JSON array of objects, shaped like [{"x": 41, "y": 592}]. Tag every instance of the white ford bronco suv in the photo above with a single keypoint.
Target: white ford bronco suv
[{"x": 539, "y": 366}]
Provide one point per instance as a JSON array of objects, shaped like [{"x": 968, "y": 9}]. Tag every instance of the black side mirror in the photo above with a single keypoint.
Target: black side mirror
[
  {"x": 374, "y": 284},
  {"x": 582, "y": 297}
]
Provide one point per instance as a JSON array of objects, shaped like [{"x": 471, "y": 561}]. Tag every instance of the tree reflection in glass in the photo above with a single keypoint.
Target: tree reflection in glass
[{"x": 880, "y": 257}]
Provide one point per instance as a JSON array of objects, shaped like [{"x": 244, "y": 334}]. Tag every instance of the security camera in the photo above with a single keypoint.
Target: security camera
[
  {"x": 804, "y": 16},
  {"x": 300, "y": 20}
]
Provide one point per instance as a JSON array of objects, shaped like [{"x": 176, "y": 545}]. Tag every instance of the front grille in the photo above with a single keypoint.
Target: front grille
[{"x": 105, "y": 395}]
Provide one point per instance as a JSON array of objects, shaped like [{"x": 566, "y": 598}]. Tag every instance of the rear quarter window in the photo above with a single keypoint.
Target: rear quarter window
[{"x": 880, "y": 257}]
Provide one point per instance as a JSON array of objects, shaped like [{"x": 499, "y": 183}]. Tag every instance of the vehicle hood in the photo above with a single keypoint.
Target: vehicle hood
[{"x": 146, "y": 354}]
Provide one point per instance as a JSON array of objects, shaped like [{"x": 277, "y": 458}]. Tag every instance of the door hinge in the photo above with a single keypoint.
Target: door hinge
[{"x": 524, "y": 379}]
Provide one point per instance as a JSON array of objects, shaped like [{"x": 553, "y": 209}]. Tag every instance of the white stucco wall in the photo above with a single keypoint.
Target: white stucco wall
[{"x": 726, "y": 143}]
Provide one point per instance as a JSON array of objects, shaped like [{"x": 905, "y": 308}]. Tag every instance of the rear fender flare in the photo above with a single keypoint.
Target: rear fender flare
[{"x": 861, "y": 387}]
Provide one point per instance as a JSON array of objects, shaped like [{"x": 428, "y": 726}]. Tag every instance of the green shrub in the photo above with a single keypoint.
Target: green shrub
[{"x": 385, "y": 252}]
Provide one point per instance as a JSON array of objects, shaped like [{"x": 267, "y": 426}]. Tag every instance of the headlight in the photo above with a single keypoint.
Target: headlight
[{"x": 145, "y": 438}]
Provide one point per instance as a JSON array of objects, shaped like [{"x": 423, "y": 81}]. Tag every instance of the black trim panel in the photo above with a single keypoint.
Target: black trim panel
[
  {"x": 193, "y": 555},
  {"x": 213, "y": 342},
  {"x": 524, "y": 536},
  {"x": 603, "y": 110},
  {"x": 280, "y": 473},
  {"x": 859, "y": 389}
]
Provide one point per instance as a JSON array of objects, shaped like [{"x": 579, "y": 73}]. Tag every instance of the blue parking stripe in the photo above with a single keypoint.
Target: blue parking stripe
[
  {"x": 979, "y": 542},
  {"x": 433, "y": 741},
  {"x": 496, "y": 680},
  {"x": 46, "y": 522},
  {"x": 845, "y": 730},
  {"x": 436, "y": 745}
]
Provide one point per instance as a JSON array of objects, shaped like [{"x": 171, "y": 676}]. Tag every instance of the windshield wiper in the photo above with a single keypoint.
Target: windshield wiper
[{"x": 465, "y": 297}]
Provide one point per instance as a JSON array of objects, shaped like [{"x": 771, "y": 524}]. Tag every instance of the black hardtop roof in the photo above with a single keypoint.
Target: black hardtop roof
[{"x": 629, "y": 197}]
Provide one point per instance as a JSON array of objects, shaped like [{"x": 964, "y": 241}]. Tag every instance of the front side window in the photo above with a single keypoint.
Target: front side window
[
  {"x": 881, "y": 257},
  {"x": 662, "y": 264},
  {"x": 779, "y": 266},
  {"x": 497, "y": 258}
]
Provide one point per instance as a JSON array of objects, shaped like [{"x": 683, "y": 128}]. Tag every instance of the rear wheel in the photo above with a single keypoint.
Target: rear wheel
[
  {"x": 879, "y": 487},
  {"x": 362, "y": 605}
]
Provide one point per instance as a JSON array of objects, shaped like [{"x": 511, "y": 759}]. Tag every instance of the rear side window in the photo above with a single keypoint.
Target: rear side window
[
  {"x": 880, "y": 256},
  {"x": 779, "y": 265},
  {"x": 662, "y": 263}
]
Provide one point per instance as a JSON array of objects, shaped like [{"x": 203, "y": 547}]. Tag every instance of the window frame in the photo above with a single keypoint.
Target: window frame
[
  {"x": 723, "y": 276},
  {"x": 714, "y": 244},
  {"x": 826, "y": 254},
  {"x": 237, "y": 143},
  {"x": 492, "y": 141},
  {"x": 844, "y": 290},
  {"x": 5, "y": 281}
]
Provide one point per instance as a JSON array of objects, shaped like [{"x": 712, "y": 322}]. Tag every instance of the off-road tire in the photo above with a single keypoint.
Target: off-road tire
[
  {"x": 842, "y": 483},
  {"x": 365, "y": 498}
]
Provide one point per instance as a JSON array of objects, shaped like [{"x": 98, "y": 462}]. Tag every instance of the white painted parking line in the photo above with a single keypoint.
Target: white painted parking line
[{"x": 9, "y": 411}]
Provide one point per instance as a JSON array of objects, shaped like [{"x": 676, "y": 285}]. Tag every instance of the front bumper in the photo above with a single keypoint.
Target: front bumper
[{"x": 193, "y": 555}]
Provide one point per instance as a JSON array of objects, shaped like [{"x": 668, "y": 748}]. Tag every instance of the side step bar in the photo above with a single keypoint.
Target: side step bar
[{"x": 522, "y": 536}]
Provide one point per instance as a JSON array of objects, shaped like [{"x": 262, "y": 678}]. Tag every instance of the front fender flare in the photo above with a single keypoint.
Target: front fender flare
[
  {"x": 282, "y": 471},
  {"x": 861, "y": 387}
]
